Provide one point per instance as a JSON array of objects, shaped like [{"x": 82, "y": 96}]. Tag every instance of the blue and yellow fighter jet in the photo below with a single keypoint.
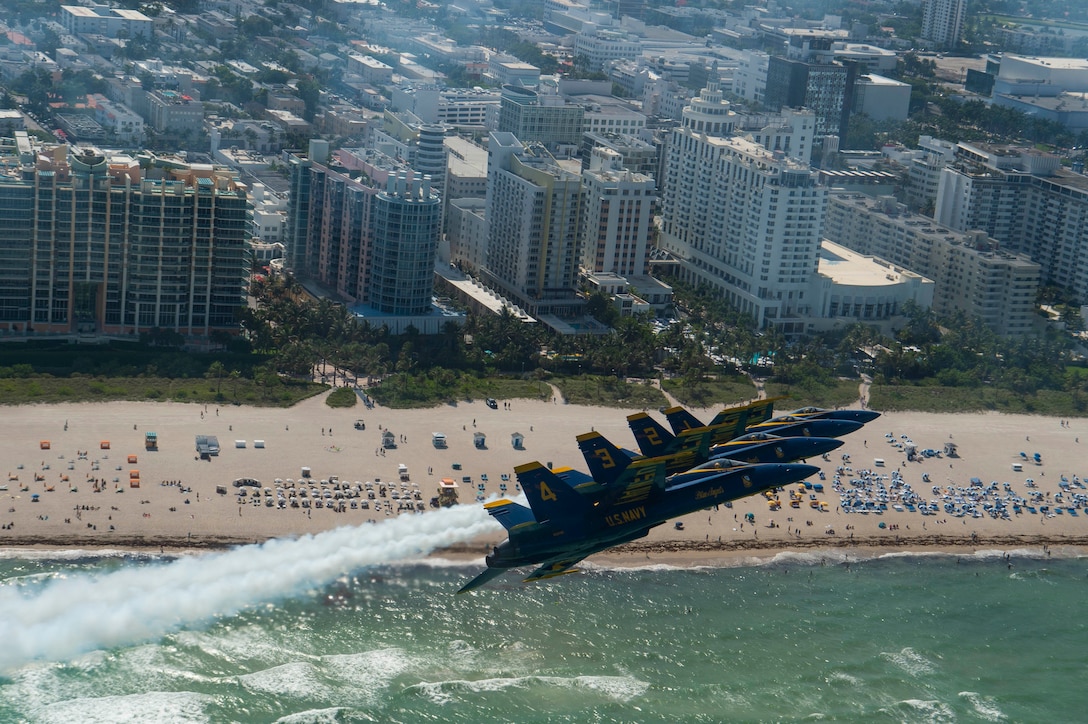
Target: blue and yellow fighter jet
[
  {"x": 571, "y": 516},
  {"x": 693, "y": 445},
  {"x": 607, "y": 462},
  {"x": 820, "y": 413}
]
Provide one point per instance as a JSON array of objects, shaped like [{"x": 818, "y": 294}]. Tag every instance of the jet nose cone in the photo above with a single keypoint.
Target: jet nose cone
[
  {"x": 799, "y": 448},
  {"x": 833, "y": 428},
  {"x": 813, "y": 446},
  {"x": 862, "y": 416},
  {"x": 794, "y": 472},
  {"x": 804, "y": 471}
]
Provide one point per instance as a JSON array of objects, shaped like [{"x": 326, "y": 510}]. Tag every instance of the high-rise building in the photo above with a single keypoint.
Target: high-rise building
[
  {"x": 739, "y": 217},
  {"x": 431, "y": 154},
  {"x": 617, "y": 220},
  {"x": 176, "y": 112},
  {"x": 1025, "y": 200},
  {"x": 942, "y": 22},
  {"x": 100, "y": 243},
  {"x": 629, "y": 8},
  {"x": 600, "y": 46},
  {"x": 541, "y": 117},
  {"x": 924, "y": 168},
  {"x": 972, "y": 274},
  {"x": 825, "y": 88},
  {"x": 534, "y": 211},
  {"x": 750, "y": 76},
  {"x": 636, "y": 154},
  {"x": 407, "y": 222},
  {"x": 881, "y": 98},
  {"x": 373, "y": 244},
  {"x": 104, "y": 20}
]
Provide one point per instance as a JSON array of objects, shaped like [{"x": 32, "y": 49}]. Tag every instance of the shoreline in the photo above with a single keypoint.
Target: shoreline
[
  {"x": 76, "y": 494},
  {"x": 679, "y": 554}
]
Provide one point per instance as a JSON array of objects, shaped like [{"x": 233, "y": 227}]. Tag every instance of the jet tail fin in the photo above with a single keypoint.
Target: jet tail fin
[
  {"x": 549, "y": 496},
  {"x": 681, "y": 420},
  {"x": 652, "y": 437},
  {"x": 606, "y": 461},
  {"x": 751, "y": 414}
]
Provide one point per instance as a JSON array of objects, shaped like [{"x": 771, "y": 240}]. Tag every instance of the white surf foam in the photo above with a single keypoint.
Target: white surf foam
[
  {"x": 179, "y": 707},
  {"x": 927, "y": 710},
  {"x": 69, "y": 554},
  {"x": 367, "y": 675},
  {"x": 298, "y": 680},
  {"x": 312, "y": 716},
  {"x": 841, "y": 678},
  {"x": 68, "y": 616},
  {"x": 985, "y": 706},
  {"x": 617, "y": 688},
  {"x": 911, "y": 662}
]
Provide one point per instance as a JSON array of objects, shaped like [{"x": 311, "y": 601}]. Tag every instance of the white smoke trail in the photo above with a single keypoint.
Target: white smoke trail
[{"x": 83, "y": 613}]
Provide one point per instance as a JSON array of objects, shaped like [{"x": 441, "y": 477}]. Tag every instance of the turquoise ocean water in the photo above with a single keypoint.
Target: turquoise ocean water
[{"x": 802, "y": 638}]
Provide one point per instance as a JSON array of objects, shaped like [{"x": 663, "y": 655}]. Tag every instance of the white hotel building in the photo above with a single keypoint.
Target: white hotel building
[
  {"x": 617, "y": 218},
  {"x": 741, "y": 218}
]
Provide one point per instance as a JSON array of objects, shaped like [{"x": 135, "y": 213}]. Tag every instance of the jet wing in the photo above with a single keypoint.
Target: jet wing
[
  {"x": 553, "y": 569},
  {"x": 482, "y": 579},
  {"x": 564, "y": 565}
]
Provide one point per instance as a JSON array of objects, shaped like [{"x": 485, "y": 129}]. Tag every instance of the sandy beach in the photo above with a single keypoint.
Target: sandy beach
[{"x": 78, "y": 494}]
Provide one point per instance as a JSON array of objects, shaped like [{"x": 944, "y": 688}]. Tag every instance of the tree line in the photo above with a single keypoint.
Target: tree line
[{"x": 707, "y": 338}]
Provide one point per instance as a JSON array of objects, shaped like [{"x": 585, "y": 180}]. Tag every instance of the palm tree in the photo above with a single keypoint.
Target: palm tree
[{"x": 216, "y": 370}]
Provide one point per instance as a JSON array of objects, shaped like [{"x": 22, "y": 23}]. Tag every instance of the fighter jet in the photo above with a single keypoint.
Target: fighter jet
[
  {"x": 607, "y": 463},
  {"x": 862, "y": 416},
  {"x": 694, "y": 445},
  {"x": 726, "y": 425},
  {"x": 680, "y": 452},
  {"x": 763, "y": 447},
  {"x": 563, "y": 525},
  {"x": 794, "y": 426},
  {"x": 692, "y": 442}
]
